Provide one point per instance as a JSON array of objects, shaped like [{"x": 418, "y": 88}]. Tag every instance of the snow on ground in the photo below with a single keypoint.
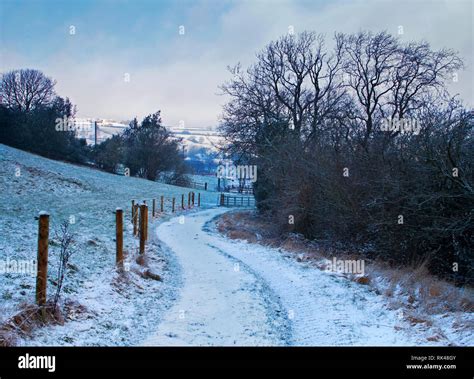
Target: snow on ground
[
  {"x": 211, "y": 180},
  {"x": 214, "y": 291},
  {"x": 219, "y": 304},
  {"x": 240, "y": 293},
  {"x": 88, "y": 197}
]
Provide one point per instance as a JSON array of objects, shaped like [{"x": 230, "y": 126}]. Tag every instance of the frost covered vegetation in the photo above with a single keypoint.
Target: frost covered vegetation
[{"x": 361, "y": 144}]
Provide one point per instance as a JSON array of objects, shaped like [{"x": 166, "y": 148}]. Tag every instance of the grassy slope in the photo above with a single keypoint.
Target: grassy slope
[{"x": 30, "y": 184}]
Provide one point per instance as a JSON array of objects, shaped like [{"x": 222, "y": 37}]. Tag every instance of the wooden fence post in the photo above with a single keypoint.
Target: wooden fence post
[
  {"x": 162, "y": 203},
  {"x": 189, "y": 200},
  {"x": 142, "y": 228},
  {"x": 153, "y": 209},
  {"x": 182, "y": 201},
  {"x": 205, "y": 186},
  {"x": 119, "y": 237},
  {"x": 172, "y": 209},
  {"x": 135, "y": 220},
  {"x": 199, "y": 199},
  {"x": 222, "y": 200},
  {"x": 133, "y": 209},
  {"x": 42, "y": 259},
  {"x": 192, "y": 198},
  {"x": 146, "y": 222},
  {"x": 146, "y": 219}
]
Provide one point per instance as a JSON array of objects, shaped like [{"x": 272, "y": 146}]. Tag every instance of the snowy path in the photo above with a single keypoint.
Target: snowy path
[{"x": 235, "y": 293}]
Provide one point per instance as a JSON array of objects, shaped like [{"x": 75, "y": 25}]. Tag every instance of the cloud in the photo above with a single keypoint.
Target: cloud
[{"x": 180, "y": 74}]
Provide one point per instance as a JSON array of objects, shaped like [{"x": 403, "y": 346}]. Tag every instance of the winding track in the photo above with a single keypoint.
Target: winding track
[{"x": 235, "y": 293}]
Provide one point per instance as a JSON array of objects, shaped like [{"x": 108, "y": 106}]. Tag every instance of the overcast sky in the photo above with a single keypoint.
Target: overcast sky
[{"x": 180, "y": 74}]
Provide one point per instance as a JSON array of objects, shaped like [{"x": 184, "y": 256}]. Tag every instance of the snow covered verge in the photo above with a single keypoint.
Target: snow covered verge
[
  {"x": 432, "y": 311},
  {"x": 111, "y": 309}
]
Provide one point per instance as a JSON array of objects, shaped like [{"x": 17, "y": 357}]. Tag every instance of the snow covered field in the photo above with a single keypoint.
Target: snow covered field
[{"x": 118, "y": 312}]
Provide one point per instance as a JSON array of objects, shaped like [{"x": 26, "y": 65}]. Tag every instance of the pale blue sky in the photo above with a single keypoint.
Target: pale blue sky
[{"x": 179, "y": 74}]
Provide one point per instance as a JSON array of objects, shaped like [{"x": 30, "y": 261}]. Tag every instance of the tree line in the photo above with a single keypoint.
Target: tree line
[
  {"x": 30, "y": 111},
  {"x": 147, "y": 149},
  {"x": 360, "y": 143}
]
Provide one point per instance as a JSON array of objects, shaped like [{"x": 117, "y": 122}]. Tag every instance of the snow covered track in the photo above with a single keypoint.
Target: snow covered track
[
  {"x": 236, "y": 293},
  {"x": 220, "y": 304}
]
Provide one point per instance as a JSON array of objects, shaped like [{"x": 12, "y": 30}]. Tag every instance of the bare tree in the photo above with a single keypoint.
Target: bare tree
[
  {"x": 294, "y": 81},
  {"x": 389, "y": 79},
  {"x": 368, "y": 64},
  {"x": 26, "y": 89},
  {"x": 419, "y": 71}
]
